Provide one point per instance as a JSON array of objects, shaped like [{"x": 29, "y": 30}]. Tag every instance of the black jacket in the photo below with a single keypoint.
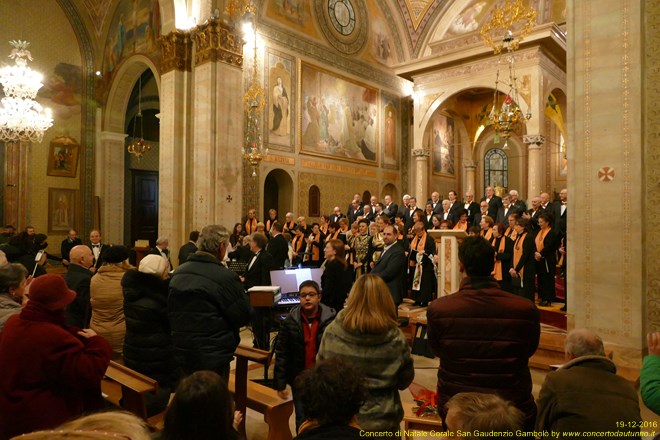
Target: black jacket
[
  {"x": 336, "y": 282},
  {"x": 79, "y": 312},
  {"x": 66, "y": 247},
  {"x": 207, "y": 306},
  {"x": 259, "y": 273},
  {"x": 279, "y": 249},
  {"x": 185, "y": 250},
  {"x": 331, "y": 432},
  {"x": 290, "y": 348},
  {"x": 148, "y": 343}
]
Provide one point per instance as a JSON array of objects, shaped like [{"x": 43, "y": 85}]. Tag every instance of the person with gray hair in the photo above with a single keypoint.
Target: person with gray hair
[
  {"x": 566, "y": 400},
  {"x": 13, "y": 285},
  {"x": 472, "y": 412},
  {"x": 207, "y": 306},
  {"x": 161, "y": 249}
]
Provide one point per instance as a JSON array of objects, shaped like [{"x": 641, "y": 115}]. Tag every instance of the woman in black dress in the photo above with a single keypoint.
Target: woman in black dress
[{"x": 337, "y": 278}]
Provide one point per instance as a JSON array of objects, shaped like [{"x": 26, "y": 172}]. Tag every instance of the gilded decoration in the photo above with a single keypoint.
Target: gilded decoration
[
  {"x": 343, "y": 169},
  {"x": 343, "y": 23},
  {"x": 176, "y": 52},
  {"x": 217, "y": 41}
]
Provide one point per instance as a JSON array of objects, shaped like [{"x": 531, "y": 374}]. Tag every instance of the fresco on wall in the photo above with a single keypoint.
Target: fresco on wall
[
  {"x": 381, "y": 46},
  {"x": 293, "y": 12},
  {"x": 280, "y": 101},
  {"x": 440, "y": 132},
  {"x": 63, "y": 87},
  {"x": 390, "y": 131},
  {"x": 339, "y": 117},
  {"x": 135, "y": 28},
  {"x": 468, "y": 20}
]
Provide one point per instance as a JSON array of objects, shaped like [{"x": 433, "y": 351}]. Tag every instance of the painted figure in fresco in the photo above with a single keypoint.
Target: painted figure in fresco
[
  {"x": 390, "y": 137},
  {"x": 313, "y": 131},
  {"x": 280, "y": 109}
]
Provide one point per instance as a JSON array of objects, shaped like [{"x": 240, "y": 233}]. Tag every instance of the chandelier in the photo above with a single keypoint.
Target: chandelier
[
  {"x": 511, "y": 22},
  {"x": 21, "y": 117},
  {"x": 138, "y": 147},
  {"x": 254, "y": 98}
]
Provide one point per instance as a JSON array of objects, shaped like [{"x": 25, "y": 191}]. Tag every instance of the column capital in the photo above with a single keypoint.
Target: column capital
[
  {"x": 470, "y": 166},
  {"x": 218, "y": 41},
  {"x": 113, "y": 136},
  {"x": 534, "y": 140},
  {"x": 420, "y": 153},
  {"x": 176, "y": 51}
]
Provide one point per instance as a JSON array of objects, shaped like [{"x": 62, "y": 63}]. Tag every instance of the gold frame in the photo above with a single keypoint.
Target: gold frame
[{"x": 63, "y": 157}]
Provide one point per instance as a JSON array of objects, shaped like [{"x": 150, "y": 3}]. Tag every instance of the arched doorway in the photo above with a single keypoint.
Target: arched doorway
[
  {"x": 390, "y": 190},
  {"x": 278, "y": 193}
]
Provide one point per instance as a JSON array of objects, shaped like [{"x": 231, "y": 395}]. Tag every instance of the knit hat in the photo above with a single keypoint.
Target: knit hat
[
  {"x": 115, "y": 254},
  {"x": 51, "y": 291},
  {"x": 153, "y": 264}
]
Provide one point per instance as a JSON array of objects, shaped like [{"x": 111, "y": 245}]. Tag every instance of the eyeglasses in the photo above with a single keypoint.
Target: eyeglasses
[{"x": 308, "y": 295}]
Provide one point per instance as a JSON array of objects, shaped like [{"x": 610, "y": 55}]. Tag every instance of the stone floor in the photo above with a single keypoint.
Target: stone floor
[{"x": 425, "y": 375}]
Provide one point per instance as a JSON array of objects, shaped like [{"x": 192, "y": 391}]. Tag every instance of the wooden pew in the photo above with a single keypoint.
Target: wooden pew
[{"x": 121, "y": 382}]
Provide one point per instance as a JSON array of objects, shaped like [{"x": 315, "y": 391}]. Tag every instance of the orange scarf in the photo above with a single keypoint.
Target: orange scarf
[
  {"x": 540, "y": 237},
  {"x": 324, "y": 228},
  {"x": 288, "y": 227},
  {"x": 498, "y": 263},
  {"x": 461, "y": 226},
  {"x": 296, "y": 243},
  {"x": 269, "y": 224},
  {"x": 251, "y": 226},
  {"x": 417, "y": 244},
  {"x": 488, "y": 235},
  {"x": 518, "y": 251},
  {"x": 511, "y": 233},
  {"x": 315, "y": 249},
  {"x": 332, "y": 236}
]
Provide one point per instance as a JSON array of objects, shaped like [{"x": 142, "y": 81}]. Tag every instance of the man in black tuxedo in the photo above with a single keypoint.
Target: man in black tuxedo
[
  {"x": 69, "y": 243},
  {"x": 277, "y": 246},
  {"x": 408, "y": 213},
  {"x": 98, "y": 249},
  {"x": 483, "y": 212},
  {"x": 494, "y": 202},
  {"x": 188, "y": 248},
  {"x": 354, "y": 210},
  {"x": 506, "y": 209},
  {"x": 161, "y": 249},
  {"x": 368, "y": 214},
  {"x": 533, "y": 214},
  {"x": 391, "y": 265},
  {"x": 559, "y": 210},
  {"x": 436, "y": 202},
  {"x": 390, "y": 208},
  {"x": 404, "y": 207},
  {"x": 471, "y": 206},
  {"x": 446, "y": 213},
  {"x": 520, "y": 205},
  {"x": 336, "y": 215},
  {"x": 546, "y": 203},
  {"x": 78, "y": 279},
  {"x": 455, "y": 206}
]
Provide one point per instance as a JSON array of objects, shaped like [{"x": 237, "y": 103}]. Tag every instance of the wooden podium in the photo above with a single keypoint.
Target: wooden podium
[{"x": 448, "y": 269}]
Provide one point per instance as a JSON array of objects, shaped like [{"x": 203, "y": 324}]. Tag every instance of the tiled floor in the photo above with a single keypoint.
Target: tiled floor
[{"x": 425, "y": 375}]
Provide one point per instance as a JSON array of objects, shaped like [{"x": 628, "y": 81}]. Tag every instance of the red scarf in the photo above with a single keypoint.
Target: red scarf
[{"x": 310, "y": 332}]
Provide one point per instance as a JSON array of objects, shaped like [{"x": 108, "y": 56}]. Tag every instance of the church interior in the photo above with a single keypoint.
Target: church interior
[{"x": 238, "y": 110}]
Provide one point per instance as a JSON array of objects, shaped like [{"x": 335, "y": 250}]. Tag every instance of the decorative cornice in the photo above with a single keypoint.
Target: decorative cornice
[
  {"x": 534, "y": 140},
  {"x": 217, "y": 41},
  {"x": 176, "y": 52},
  {"x": 420, "y": 152}
]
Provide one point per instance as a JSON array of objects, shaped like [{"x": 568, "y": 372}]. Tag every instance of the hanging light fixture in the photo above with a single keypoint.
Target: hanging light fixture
[
  {"x": 254, "y": 99},
  {"x": 511, "y": 22},
  {"x": 138, "y": 147},
  {"x": 21, "y": 117}
]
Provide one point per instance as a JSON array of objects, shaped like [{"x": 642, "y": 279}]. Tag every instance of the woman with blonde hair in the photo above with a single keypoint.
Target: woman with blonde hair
[
  {"x": 366, "y": 332},
  {"x": 103, "y": 425}
]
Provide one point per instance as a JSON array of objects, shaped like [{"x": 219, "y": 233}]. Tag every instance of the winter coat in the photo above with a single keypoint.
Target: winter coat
[
  {"x": 385, "y": 360},
  {"x": 207, "y": 306},
  {"x": 107, "y": 299},
  {"x": 48, "y": 374},
  {"x": 148, "y": 343},
  {"x": 290, "y": 348},
  {"x": 586, "y": 395},
  {"x": 8, "y": 308},
  {"x": 650, "y": 382},
  {"x": 79, "y": 279},
  {"x": 484, "y": 338}
]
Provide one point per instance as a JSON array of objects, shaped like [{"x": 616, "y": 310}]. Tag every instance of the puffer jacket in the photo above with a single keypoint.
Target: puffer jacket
[
  {"x": 290, "y": 348},
  {"x": 107, "y": 300},
  {"x": 207, "y": 306},
  {"x": 484, "y": 338},
  {"x": 148, "y": 343},
  {"x": 386, "y": 362}
]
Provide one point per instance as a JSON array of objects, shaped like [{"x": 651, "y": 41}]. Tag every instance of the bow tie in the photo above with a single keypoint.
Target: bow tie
[
  {"x": 96, "y": 245},
  {"x": 563, "y": 203}
]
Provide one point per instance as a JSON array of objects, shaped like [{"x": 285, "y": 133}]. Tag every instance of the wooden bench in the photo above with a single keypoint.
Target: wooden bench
[
  {"x": 265, "y": 400},
  {"x": 413, "y": 422}
]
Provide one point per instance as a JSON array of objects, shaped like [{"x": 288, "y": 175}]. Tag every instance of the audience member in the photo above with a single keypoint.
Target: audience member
[
  {"x": 485, "y": 413},
  {"x": 298, "y": 340},
  {"x": 202, "y": 408},
  {"x": 207, "y": 306},
  {"x": 190, "y": 247},
  {"x": 650, "y": 374},
  {"x": 148, "y": 343},
  {"x": 79, "y": 278},
  {"x": 337, "y": 278},
  {"x": 366, "y": 332},
  {"x": 484, "y": 335},
  {"x": 100, "y": 426},
  {"x": 567, "y": 399},
  {"x": 331, "y": 394},
  {"x": 69, "y": 243},
  {"x": 107, "y": 298},
  {"x": 13, "y": 285},
  {"x": 50, "y": 373},
  {"x": 7, "y": 233}
]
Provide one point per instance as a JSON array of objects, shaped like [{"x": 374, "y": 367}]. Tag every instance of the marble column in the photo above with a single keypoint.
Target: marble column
[
  {"x": 175, "y": 116},
  {"x": 16, "y": 184},
  {"x": 470, "y": 177},
  {"x": 535, "y": 165},
  {"x": 109, "y": 184},
  {"x": 217, "y": 128},
  {"x": 421, "y": 185}
]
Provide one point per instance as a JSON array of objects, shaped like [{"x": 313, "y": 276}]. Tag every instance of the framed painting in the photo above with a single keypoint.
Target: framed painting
[
  {"x": 62, "y": 210},
  {"x": 339, "y": 117},
  {"x": 63, "y": 157},
  {"x": 441, "y": 137},
  {"x": 280, "y": 100},
  {"x": 390, "y": 133}
]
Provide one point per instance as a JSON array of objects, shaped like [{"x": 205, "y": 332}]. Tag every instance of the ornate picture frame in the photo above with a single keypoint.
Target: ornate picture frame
[
  {"x": 63, "y": 157},
  {"x": 62, "y": 210},
  {"x": 440, "y": 131},
  {"x": 280, "y": 75}
]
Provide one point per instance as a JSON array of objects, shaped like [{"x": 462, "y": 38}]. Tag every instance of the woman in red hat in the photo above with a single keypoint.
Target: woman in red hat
[{"x": 49, "y": 372}]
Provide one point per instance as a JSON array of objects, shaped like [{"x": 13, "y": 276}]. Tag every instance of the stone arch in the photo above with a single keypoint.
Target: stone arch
[{"x": 278, "y": 192}]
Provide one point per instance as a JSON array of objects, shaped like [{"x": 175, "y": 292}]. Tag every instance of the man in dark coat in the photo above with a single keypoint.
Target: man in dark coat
[
  {"x": 162, "y": 249},
  {"x": 567, "y": 399},
  {"x": 188, "y": 248},
  {"x": 484, "y": 335},
  {"x": 69, "y": 243},
  {"x": 98, "y": 249},
  {"x": 277, "y": 246},
  {"x": 391, "y": 266},
  {"x": 78, "y": 278},
  {"x": 207, "y": 306},
  {"x": 494, "y": 202}
]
